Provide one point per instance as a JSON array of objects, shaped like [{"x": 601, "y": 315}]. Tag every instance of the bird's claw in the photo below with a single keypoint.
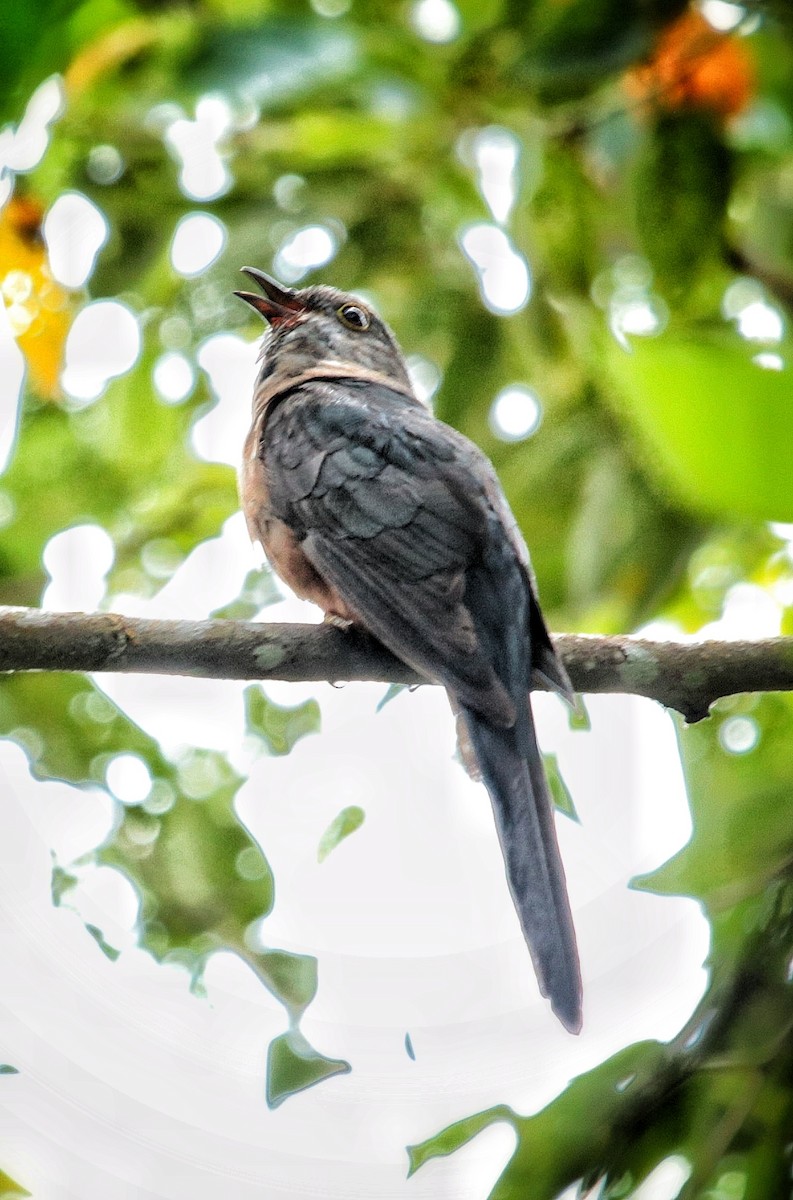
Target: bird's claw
[{"x": 337, "y": 621}]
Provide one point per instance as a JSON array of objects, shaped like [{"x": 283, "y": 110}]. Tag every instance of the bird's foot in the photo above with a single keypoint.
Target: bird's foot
[{"x": 338, "y": 622}]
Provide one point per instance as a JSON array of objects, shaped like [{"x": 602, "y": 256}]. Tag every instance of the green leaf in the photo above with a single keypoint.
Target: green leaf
[
  {"x": 454, "y": 1137},
  {"x": 108, "y": 950},
  {"x": 258, "y": 590},
  {"x": 292, "y": 978},
  {"x": 62, "y": 883},
  {"x": 714, "y": 424},
  {"x": 31, "y": 32},
  {"x": 279, "y": 728},
  {"x": 347, "y": 821},
  {"x": 578, "y": 717},
  {"x": 201, "y": 876},
  {"x": 274, "y": 62},
  {"x": 739, "y": 776},
  {"x": 573, "y": 1137},
  {"x": 294, "y": 1065},
  {"x": 392, "y": 691},
  {"x": 574, "y": 47},
  {"x": 5, "y": 1069},
  {"x": 562, "y": 215},
  {"x": 8, "y": 1187},
  {"x": 191, "y": 862},
  {"x": 560, "y": 793},
  {"x": 681, "y": 188},
  {"x": 623, "y": 547}
]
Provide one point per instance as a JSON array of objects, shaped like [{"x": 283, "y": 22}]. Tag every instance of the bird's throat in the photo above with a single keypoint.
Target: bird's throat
[{"x": 274, "y": 387}]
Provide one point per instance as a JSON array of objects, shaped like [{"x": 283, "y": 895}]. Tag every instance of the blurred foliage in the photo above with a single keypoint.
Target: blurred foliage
[
  {"x": 645, "y": 163},
  {"x": 347, "y": 821},
  {"x": 276, "y": 727},
  {"x": 292, "y": 1065},
  {"x": 8, "y": 1187},
  {"x": 204, "y": 883},
  {"x": 560, "y": 793}
]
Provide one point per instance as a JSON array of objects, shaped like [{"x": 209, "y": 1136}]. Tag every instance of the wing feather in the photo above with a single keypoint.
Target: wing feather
[{"x": 393, "y": 522}]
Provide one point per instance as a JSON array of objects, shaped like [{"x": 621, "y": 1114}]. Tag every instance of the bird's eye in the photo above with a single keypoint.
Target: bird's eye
[{"x": 353, "y": 316}]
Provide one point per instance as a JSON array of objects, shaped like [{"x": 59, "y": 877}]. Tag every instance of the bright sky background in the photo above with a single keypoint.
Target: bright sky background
[{"x": 129, "y": 1086}]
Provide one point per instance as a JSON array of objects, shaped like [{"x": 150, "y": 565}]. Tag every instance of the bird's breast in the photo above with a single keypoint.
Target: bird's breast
[{"x": 280, "y": 543}]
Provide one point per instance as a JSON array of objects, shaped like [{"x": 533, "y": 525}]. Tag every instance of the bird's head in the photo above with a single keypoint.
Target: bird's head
[{"x": 318, "y": 325}]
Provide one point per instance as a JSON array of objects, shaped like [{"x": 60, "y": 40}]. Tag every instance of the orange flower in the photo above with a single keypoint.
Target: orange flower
[
  {"x": 36, "y": 306},
  {"x": 695, "y": 66}
]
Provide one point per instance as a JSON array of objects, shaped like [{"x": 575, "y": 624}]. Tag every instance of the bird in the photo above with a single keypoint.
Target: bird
[{"x": 392, "y": 521}]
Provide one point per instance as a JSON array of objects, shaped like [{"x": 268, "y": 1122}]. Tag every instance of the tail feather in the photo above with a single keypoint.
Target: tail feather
[{"x": 513, "y": 773}]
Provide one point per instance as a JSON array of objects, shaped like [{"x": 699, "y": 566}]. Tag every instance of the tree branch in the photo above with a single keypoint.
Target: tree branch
[{"x": 682, "y": 675}]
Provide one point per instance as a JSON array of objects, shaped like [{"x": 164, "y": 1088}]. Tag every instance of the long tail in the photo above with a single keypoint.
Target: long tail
[{"x": 513, "y": 773}]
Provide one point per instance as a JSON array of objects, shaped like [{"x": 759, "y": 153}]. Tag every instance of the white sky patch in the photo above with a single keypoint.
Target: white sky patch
[
  {"x": 641, "y": 318},
  {"x": 739, "y": 734},
  {"x": 632, "y": 311},
  {"x": 195, "y": 145},
  {"x": 128, "y": 778},
  {"x": 23, "y": 148},
  {"x": 745, "y": 302},
  {"x": 103, "y": 342},
  {"x": 174, "y": 377},
  {"x": 769, "y": 362},
  {"x": 760, "y": 322},
  {"x": 435, "y": 20},
  {"x": 77, "y": 561},
  {"x": 304, "y": 250},
  {"x": 741, "y": 293},
  {"x": 75, "y": 230},
  {"x": 183, "y": 712},
  {"x": 504, "y": 278},
  {"x": 425, "y": 377},
  {"x": 664, "y": 1181},
  {"x": 496, "y": 152},
  {"x": 749, "y": 612},
  {"x": 107, "y": 900},
  {"x": 477, "y": 1166},
  {"x": 230, "y": 365},
  {"x": 722, "y": 15},
  {"x": 12, "y": 375},
  {"x": 515, "y": 414},
  {"x": 197, "y": 241}
]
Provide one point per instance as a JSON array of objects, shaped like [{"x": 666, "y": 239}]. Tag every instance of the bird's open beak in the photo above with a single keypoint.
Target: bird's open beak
[{"x": 277, "y": 303}]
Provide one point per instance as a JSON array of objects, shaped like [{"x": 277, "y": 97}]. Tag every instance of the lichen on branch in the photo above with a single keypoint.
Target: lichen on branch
[{"x": 687, "y": 676}]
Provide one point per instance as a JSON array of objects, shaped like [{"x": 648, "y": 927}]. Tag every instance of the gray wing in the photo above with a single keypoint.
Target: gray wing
[{"x": 389, "y": 509}]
